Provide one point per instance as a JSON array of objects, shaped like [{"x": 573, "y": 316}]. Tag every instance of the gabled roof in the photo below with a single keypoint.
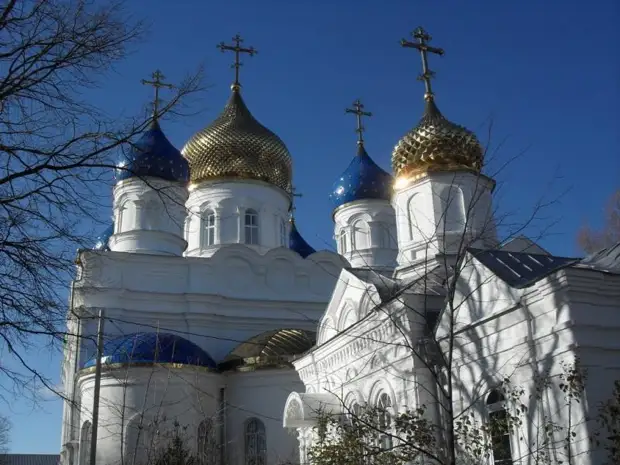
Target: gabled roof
[
  {"x": 606, "y": 260},
  {"x": 29, "y": 459},
  {"x": 522, "y": 244},
  {"x": 386, "y": 288},
  {"x": 520, "y": 269}
]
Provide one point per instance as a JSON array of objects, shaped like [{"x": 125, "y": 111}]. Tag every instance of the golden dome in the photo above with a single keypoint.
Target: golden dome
[
  {"x": 236, "y": 145},
  {"x": 271, "y": 349},
  {"x": 436, "y": 144}
]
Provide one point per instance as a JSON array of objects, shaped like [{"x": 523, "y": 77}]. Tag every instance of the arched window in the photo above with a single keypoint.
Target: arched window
[
  {"x": 359, "y": 235},
  {"x": 85, "y": 443},
  {"x": 385, "y": 421},
  {"x": 126, "y": 218},
  {"x": 255, "y": 443},
  {"x": 453, "y": 209},
  {"x": 251, "y": 227},
  {"x": 342, "y": 240},
  {"x": 283, "y": 233},
  {"x": 209, "y": 225},
  {"x": 207, "y": 444},
  {"x": 139, "y": 440},
  {"x": 499, "y": 427},
  {"x": 386, "y": 238},
  {"x": 354, "y": 409},
  {"x": 150, "y": 214}
]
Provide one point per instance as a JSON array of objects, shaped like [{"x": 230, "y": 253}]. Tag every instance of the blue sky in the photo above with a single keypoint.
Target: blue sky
[{"x": 545, "y": 73}]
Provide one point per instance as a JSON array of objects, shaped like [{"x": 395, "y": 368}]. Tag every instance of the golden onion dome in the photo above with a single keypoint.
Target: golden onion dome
[
  {"x": 436, "y": 144},
  {"x": 236, "y": 145},
  {"x": 271, "y": 349}
]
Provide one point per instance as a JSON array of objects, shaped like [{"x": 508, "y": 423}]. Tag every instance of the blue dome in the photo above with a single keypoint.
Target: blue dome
[
  {"x": 102, "y": 240},
  {"x": 153, "y": 348},
  {"x": 362, "y": 180},
  {"x": 153, "y": 155},
  {"x": 298, "y": 243}
]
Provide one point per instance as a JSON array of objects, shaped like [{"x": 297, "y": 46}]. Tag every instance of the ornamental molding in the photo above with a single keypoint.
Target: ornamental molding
[
  {"x": 341, "y": 351},
  {"x": 309, "y": 280}
]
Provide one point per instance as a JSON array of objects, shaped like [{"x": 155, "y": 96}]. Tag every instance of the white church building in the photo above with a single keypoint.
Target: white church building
[{"x": 218, "y": 317}]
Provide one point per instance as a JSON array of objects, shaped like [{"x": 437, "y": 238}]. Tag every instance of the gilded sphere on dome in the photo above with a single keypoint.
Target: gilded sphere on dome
[
  {"x": 436, "y": 144},
  {"x": 236, "y": 145}
]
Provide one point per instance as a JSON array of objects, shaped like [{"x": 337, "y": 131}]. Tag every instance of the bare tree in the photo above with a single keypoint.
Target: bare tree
[
  {"x": 5, "y": 435},
  {"x": 591, "y": 240},
  {"x": 57, "y": 153}
]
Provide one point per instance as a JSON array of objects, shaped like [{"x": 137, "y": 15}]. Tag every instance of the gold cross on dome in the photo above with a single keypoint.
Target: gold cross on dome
[
  {"x": 157, "y": 83},
  {"x": 238, "y": 49},
  {"x": 357, "y": 110},
  {"x": 422, "y": 45}
]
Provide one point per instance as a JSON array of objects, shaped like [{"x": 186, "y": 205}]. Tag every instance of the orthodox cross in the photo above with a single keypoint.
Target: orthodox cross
[
  {"x": 157, "y": 83},
  {"x": 422, "y": 45},
  {"x": 238, "y": 49},
  {"x": 357, "y": 110}
]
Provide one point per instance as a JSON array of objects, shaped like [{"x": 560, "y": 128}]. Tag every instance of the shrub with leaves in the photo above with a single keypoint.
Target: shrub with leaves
[{"x": 480, "y": 431}]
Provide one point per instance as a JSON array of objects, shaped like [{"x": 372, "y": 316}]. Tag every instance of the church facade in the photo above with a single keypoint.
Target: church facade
[{"x": 202, "y": 310}]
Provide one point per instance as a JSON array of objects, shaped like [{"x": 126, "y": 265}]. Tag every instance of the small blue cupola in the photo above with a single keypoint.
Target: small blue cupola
[
  {"x": 148, "y": 348},
  {"x": 297, "y": 243},
  {"x": 362, "y": 180},
  {"x": 153, "y": 155},
  {"x": 102, "y": 240}
]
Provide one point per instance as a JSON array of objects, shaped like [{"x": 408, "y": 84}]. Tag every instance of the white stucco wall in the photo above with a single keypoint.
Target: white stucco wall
[
  {"x": 229, "y": 200},
  {"x": 217, "y": 302},
  {"x": 142, "y": 396},
  {"x": 530, "y": 333},
  {"x": 435, "y": 213},
  {"x": 149, "y": 215},
  {"x": 260, "y": 394},
  {"x": 365, "y": 233}
]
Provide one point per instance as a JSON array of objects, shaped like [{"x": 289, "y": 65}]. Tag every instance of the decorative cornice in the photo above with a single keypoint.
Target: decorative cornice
[
  {"x": 109, "y": 367},
  {"x": 341, "y": 350}
]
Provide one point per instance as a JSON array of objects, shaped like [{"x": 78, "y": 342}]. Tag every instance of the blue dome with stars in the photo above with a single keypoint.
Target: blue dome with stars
[
  {"x": 362, "y": 180},
  {"x": 102, "y": 240},
  {"x": 153, "y": 348},
  {"x": 153, "y": 155},
  {"x": 298, "y": 243}
]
